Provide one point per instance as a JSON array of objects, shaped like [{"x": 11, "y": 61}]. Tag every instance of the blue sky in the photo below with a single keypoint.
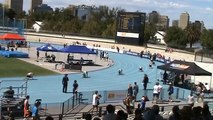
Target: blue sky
[{"x": 198, "y": 9}]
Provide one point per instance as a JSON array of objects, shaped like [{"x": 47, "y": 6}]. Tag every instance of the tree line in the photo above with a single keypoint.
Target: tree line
[{"x": 103, "y": 24}]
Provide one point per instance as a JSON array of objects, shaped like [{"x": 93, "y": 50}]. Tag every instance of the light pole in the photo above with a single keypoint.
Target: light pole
[
  {"x": 3, "y": 16},
  {"x": 14, "y": 23}
]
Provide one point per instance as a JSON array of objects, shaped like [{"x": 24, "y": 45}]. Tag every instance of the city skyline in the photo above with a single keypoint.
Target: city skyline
[{"x": 201, "y": 10}]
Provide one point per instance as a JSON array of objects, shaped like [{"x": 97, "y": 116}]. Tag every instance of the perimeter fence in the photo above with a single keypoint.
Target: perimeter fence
[{"x": 62, "y": 109}]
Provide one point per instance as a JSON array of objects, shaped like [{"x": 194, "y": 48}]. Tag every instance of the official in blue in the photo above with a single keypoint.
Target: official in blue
[
  {"x": 35, "y": 109},
  {"x": 65, "y": 83}
]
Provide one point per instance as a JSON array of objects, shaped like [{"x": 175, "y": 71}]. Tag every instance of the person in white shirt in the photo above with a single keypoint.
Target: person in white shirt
[
  {"x": 95, "y": 101},
  {"x": 159, "y": 90},
  {"x": 155, "y": 91},
  {"x": 190, "y": 98}
]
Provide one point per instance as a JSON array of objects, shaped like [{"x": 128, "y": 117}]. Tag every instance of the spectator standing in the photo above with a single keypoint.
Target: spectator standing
[
  {"x": 165, "y": 77},
  {"x": 130, "y": 90},
  {"x": 68, "y": 57},
  {"x": 35, "y": 110},
  {"x": 191, "y": 98},
  {"x": 135, "y": 90},
  {"x": 182, "y": 77},
  {"x": 170, "y": 91},
  {"x": 155, "y": 92},
  {"x": 128, "y": 102},
  {"x": 110, "y": 113},
  {"x": 207, "y": 88},
  {"x": 45, "y": 54},
  {"x": 118, "y": 49},
  {"x": 26, "y": 107},
  {"x": 145, "y": 81},
  {"x": 159, "y": 89},
  {"x": 198, "y": 91},
  {"x": 16, "y": 46},
  {"x": 65, "y": 83},
  {"x": 75, "y": 88},
  {"x": 143, "y": 104},
  {"x": 95, "y": 101},
  {"x": 37, "y": 53}
]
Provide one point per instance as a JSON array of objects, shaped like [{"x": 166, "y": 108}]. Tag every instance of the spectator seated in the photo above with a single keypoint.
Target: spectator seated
[{"x": 9, "y": 93}]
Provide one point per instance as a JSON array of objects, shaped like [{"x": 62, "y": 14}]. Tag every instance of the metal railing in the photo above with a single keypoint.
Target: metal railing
[
  {"x": 67, "y": 107},
  {"x": 19, "y": 87}
]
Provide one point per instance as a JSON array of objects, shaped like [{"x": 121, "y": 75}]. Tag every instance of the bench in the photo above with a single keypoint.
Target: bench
[
  {"x": 73, "y": 66},
  {"x": 78, "y": 61}
]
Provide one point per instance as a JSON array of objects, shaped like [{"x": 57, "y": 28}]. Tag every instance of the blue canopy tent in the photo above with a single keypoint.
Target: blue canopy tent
[
  {"x": 48, "y": 48},
  {"x": 77, "y": 49}
]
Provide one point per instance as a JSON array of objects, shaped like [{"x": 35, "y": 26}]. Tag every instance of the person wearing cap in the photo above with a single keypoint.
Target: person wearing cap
[
  {"x": 35, "y": 110},
  {"x": 65, "y": 83}
]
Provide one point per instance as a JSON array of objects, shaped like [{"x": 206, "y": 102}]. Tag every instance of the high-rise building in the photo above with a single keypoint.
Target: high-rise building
[
  {"x": 163, "y": 22},
  {"x": 175, "y": 23},
  {"x": 35, "y": 3},
  {"x": 202, "y": 26},
  {"x": 184, "y": 20},
  {"x": 197, "y": 25},
  {"x": 16, "y": 5},
  {"x": 43, "y": 8},
  {"x": 153, "y": 17}
]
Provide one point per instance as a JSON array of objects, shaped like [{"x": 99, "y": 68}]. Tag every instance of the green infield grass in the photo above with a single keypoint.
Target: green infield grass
[{"x": 13, "y": 67}]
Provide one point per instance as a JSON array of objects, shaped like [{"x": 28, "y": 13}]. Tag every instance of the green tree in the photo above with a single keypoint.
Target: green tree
[
  {"x": 149, "y": 32},
  {"x": 192, "y": 34},
  {"x": 110, "y": 30},
  {"x": 91, "y": 28},
  {"x": 10, "y": 13},
  {"x": 207, "y": 38},
  {"x": 175, "y": 36},
  {"x": 73, "y": 26}
]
